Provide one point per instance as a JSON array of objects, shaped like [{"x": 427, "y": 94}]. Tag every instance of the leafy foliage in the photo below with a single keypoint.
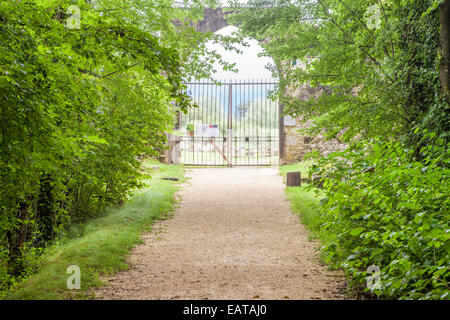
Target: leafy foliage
[
  {"x": 387, "y": 211},
  {"x": 376, "y": 64},
  {"x": 79, "y": 105},
  {"x": 380, "y": 80},
  {"x": 101, "y": 245}
]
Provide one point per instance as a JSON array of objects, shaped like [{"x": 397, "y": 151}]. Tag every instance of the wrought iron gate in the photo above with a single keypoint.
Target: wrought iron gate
[{"x": 235, "y": 124}]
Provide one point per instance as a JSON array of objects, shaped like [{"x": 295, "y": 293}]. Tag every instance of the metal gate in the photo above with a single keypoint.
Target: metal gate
[{"x": 235, "y": 124}]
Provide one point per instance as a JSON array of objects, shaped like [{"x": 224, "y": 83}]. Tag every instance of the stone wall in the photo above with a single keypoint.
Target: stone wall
[{"x": 295, "y": 143}]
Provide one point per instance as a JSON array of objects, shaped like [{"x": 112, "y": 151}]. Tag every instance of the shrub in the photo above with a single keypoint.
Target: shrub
[{"x": 389, "y": 206}]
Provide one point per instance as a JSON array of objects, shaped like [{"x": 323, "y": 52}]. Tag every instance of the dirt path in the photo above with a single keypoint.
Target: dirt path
[{"x": 234, "y": 237}]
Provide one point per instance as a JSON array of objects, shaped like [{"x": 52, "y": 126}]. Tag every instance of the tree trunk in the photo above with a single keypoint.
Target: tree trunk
[
  {"x": 445, "y": 48},
  {"x": 44, "y": 210}
]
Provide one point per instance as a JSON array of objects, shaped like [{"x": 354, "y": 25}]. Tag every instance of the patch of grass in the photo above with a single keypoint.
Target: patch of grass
[
  {"x": 304, "y": 201},
  {"x": 299, "y": 166},
  {"x": 105, "y": 242}
]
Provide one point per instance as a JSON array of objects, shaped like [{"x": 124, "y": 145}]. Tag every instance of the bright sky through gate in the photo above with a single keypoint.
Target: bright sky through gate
[{"x": 249, "y": 65}]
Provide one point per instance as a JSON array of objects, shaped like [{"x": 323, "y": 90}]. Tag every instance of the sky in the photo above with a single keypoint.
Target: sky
[{"x": 250, "y": 66}]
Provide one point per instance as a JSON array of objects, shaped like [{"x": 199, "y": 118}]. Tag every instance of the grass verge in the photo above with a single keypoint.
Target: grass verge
[
  {"x": 304, "y": 201},
  {"x": 106, "y": 241},
  {"x": 299, "y": 166}
]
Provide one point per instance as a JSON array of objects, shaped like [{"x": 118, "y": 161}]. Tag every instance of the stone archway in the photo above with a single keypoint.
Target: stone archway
[
  {"x": 214, "y": 20},
  {"x": 292, "y": 145}
]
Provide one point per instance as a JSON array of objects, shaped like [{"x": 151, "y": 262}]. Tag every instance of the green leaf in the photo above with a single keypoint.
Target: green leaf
[{"x": 356, "y": 231}]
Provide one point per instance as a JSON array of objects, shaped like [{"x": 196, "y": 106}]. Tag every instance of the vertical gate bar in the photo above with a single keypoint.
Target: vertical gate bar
[
  {"x": 191, "y": 144},
  {"x": 208, "y": 112},
  {"x": 269, "y": 126},
  {"x": 269, "y": 101},
  {"x": 252, "y": 96},
  {"x": 261, "y": 121},
  {"x": 249, "y": 120},
  {"x": 191, "y": 138},
  {"x": 264, "y": 115},
  {"x": 199, "y": 118},
  {"x": 205, "y": 145},
  {"x": 221, "y": 119},
  {"x": 224, "y": 123},
  {"x": 266, "y": 139},
  {"x": 275, "y": 127},
  {"x": 199, "y": 121},
  {"x": 191, "y": 120},
  {"x": 193, "y": 123},
  {"x": 181, "y": 126},
  {"x": 186, "y": 117},
  {"x": 214, "y": 103},
  {"x": 269, "y": 137},
  {"x": 213, "y": 120},
  {"x": 261, "y": 113},
  {"x": 276, "y": 130},
  {"x": 244, "y": 120},
  {"x": 188, "y": 139},
  {"x": 261, "y": 137},
  {"x": 230, "y": 124},
  {"x": 237, "y": 133},
  {"x": 205, "y": 118},
  {"x": 244, "y": 134},
  {"x": 265, "y": 125},
  {"x": 243, "y": 113},
  {"x": 258, "y": 88},
  {"x": 233, "y": 125},
  {"x": 238, "y": 136},
  {"x": 202, "y": 117},
  {"x": 219, "y": 100},
  {"x": 240, "y": 123},
  {"x": 236, "y": 124},
  {"x": 257, "y": 123}
]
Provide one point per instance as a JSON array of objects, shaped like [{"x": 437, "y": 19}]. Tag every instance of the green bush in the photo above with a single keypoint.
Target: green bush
[
  {"x": 387, "y": 210},
  {"x": 77, "y": 109}
]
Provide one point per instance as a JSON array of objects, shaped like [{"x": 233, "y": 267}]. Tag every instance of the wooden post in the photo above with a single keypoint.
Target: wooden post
[{"x": 293, "y": 179}]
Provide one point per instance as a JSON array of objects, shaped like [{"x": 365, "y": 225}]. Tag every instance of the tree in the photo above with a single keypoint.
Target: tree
[
  {"x": 81, "y": 97},
  {"x": 380, "y": 77},
  {"x": 445, "y": 47},
  {"x": 382, "y": 200}
]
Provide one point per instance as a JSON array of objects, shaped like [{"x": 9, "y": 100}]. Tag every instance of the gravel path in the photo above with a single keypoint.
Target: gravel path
[{"x": 233, "y": 237}]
